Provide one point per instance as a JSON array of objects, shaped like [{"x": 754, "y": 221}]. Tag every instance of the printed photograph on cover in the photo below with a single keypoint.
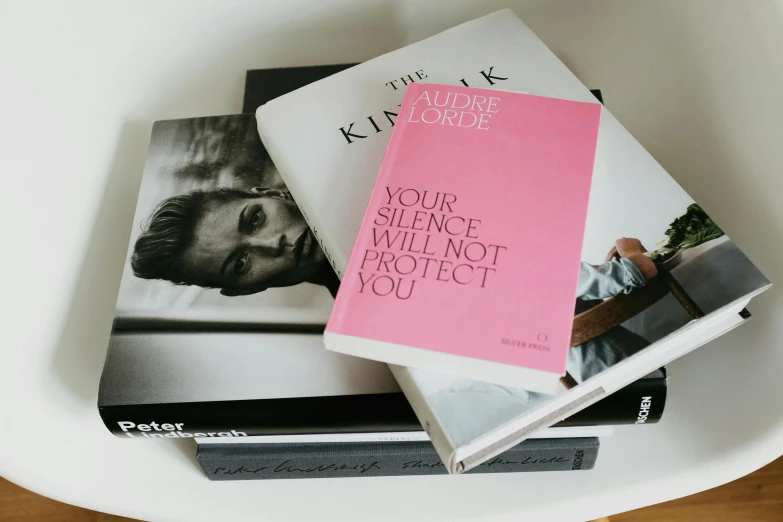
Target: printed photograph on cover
[
  {"x": 628, "y": 297},
  {"x": 217, "y": 237}
]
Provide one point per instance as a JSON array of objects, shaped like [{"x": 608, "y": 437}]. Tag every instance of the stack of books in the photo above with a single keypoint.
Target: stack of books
[{"x": 514, "y": 271}]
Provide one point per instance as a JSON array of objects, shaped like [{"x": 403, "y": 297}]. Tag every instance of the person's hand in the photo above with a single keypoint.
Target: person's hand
[
  {"x": 627, "y": 246},
  {"x": 632, "y": 249}
]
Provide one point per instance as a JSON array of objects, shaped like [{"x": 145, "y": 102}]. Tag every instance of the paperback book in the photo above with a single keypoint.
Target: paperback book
[
  {"x": 442, "y": 276},
  {"x": 657, "y": 278}
]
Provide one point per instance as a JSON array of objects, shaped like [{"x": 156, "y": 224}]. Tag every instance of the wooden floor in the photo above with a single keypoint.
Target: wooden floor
[
  {"x": 755, "y": 498},
  {"x": 20, "y": 505}
]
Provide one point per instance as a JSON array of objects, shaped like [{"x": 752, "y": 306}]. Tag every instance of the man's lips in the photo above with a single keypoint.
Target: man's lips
[{"x": 302, "y": 246}]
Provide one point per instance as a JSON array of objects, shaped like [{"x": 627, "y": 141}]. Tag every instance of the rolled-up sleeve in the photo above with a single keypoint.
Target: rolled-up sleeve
[{"x": 618, "y": 276}]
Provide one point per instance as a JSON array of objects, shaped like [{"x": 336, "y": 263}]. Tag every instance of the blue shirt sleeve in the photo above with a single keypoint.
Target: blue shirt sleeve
[{"x": 618, "y": 276}]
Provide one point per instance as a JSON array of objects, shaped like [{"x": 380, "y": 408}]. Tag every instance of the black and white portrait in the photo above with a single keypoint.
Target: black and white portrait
[{"x": 217, "y": 235}]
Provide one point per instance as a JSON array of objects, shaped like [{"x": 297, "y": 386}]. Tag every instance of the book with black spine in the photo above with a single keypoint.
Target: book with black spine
[
  {"x": 185, "y": 360},
  {"x": 263, "y": 85}
]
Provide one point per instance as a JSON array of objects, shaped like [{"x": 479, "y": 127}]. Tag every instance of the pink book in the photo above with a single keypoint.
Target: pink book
[{"x": 468, "y": 255}]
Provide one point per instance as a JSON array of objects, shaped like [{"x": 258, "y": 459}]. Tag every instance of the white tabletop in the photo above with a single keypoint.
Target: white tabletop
[{"x": 697, "y": 82}]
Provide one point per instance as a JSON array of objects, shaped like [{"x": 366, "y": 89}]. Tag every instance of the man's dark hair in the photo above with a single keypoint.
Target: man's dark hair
[{"x": 169, "y": 232}]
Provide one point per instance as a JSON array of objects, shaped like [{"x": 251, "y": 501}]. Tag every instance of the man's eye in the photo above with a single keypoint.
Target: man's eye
[
  {"x": 241, "y": 264},
  {"x": 256, "y": 219}
]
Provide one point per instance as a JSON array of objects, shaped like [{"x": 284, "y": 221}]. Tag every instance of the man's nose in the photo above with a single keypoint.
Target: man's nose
[{"x": 270, "y": 245}]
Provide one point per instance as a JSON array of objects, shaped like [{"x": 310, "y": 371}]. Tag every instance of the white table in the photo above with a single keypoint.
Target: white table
[{"x": 697, "y": 82}]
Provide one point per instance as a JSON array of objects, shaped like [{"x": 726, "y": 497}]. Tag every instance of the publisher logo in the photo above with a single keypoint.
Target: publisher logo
[
  {"x": 644, "y": 410},
  {"x": 578, "y": 458},
  {"x": 528, "y": 345}
]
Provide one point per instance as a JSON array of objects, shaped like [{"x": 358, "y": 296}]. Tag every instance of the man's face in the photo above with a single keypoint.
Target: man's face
[{"x": 245, "y": 244}]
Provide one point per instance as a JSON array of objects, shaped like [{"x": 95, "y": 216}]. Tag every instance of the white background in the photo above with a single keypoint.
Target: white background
[{"x": 697, "y": 82}]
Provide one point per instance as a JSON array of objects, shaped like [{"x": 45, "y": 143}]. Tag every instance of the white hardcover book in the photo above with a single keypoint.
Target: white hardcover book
[{"x": 328, "y": 140}]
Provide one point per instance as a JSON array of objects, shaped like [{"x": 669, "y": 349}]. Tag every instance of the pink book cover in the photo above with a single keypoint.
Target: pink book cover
[{"x": 471, "y": 242}]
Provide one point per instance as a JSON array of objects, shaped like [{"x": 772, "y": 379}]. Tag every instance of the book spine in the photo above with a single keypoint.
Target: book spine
[
  {"x": 384, "y": 459},
  {"x": 376, "y": 413},
  {"x": 337, "y": 261},
  {"x": 641, "y": 402},
  {"x": 368, "y": 413},
  {"x": 428, "y": 419}
]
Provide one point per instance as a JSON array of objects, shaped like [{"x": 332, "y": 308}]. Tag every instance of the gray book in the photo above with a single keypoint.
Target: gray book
[{"x": 238, "y": 461}]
